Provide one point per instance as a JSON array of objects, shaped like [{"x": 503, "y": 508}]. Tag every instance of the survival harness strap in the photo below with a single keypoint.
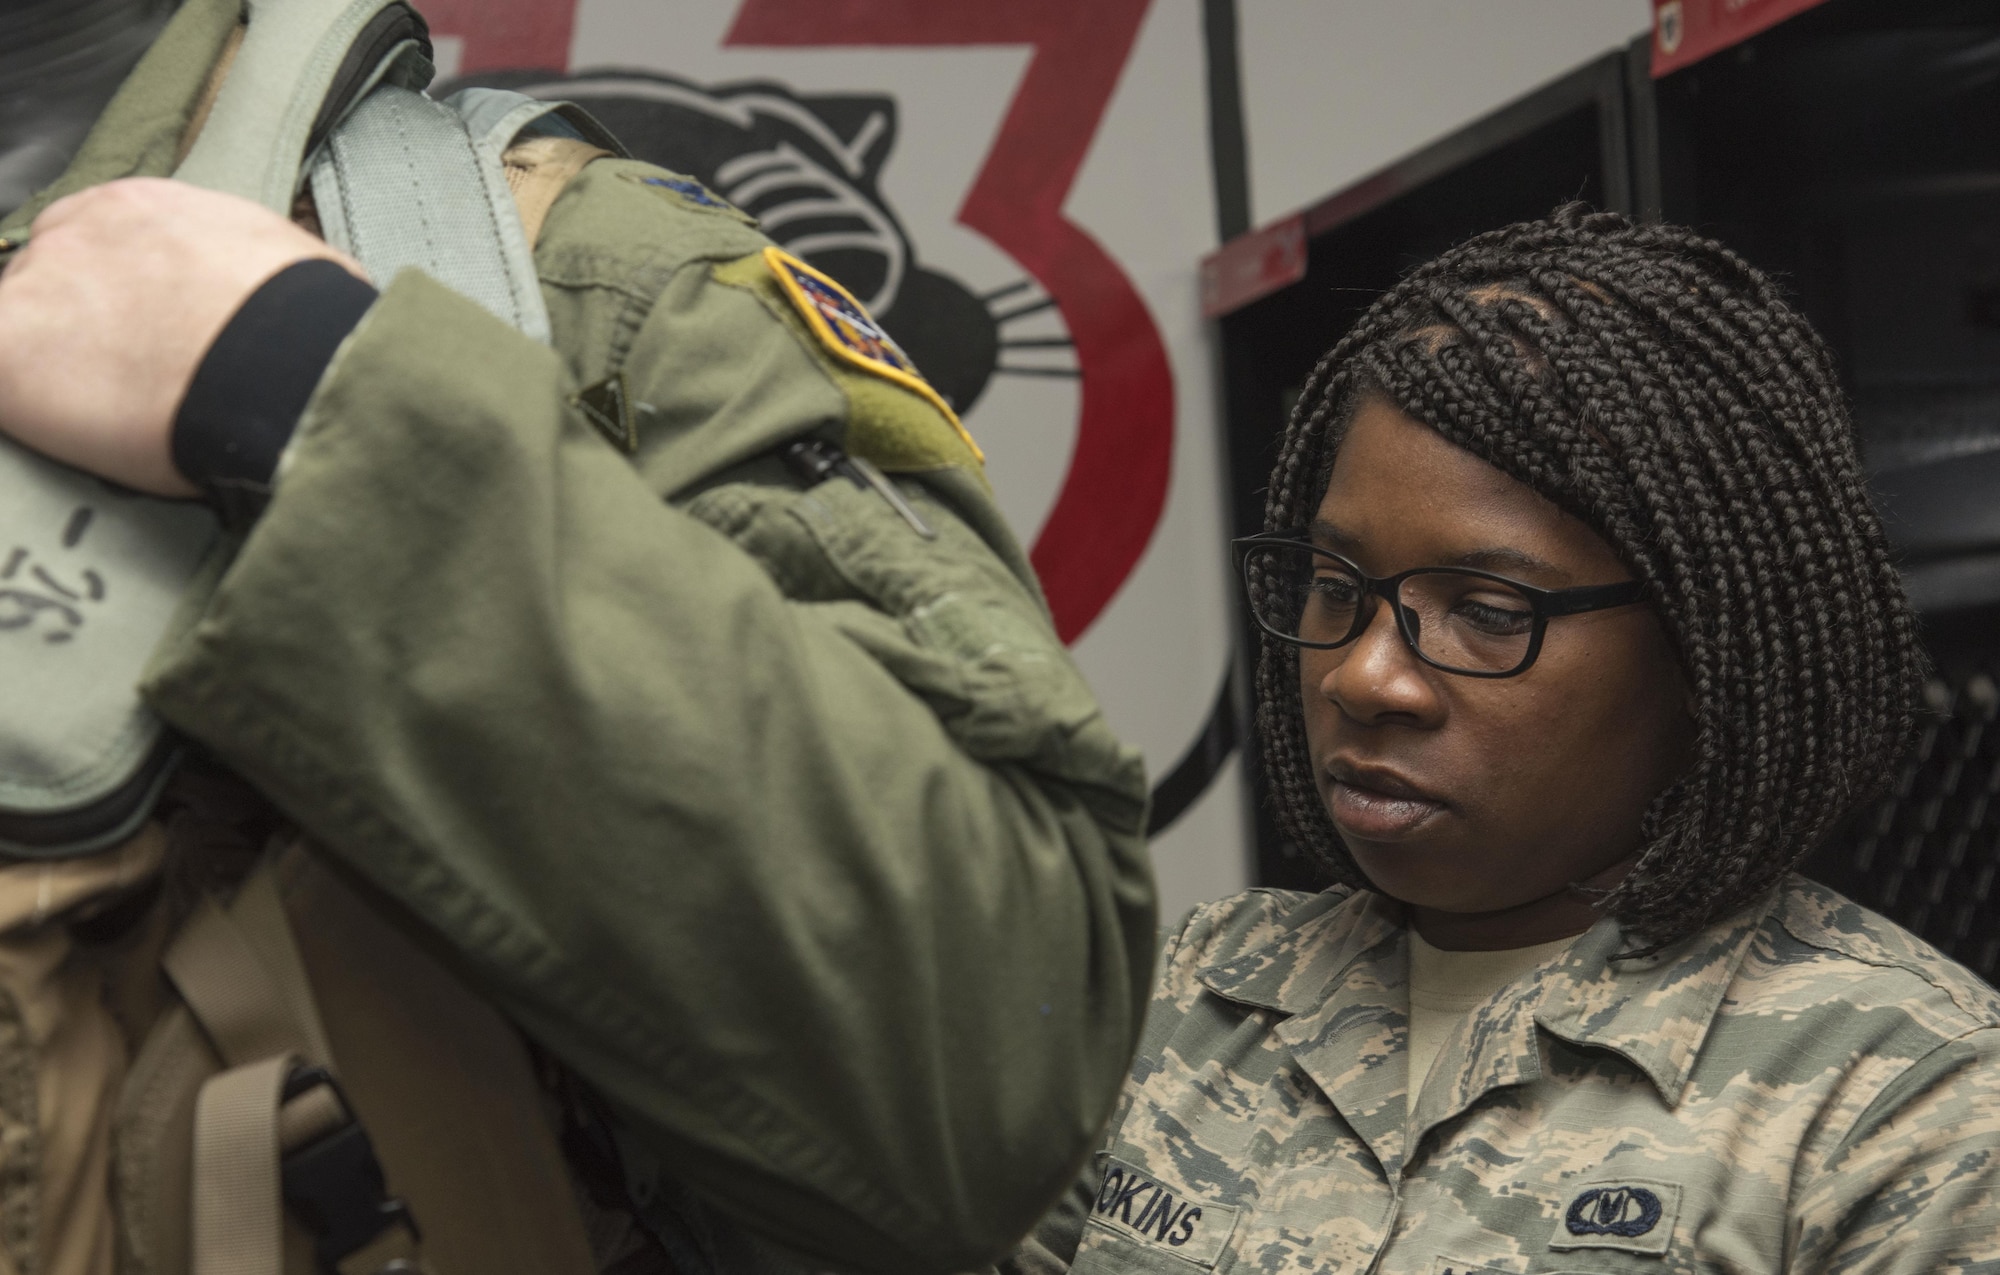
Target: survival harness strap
[{"x": 275, "y": 1128}]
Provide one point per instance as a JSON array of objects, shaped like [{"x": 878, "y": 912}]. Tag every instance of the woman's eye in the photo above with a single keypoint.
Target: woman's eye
[
  {"x": 1499, "y": 619},
  {"x": 1335, "y": 589}
]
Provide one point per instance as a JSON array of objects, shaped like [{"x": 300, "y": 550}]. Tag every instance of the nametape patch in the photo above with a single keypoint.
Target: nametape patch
[
  {"x": 851, "y": 334},
  {"x": 1136, "y": 1205},
  {"x": 1458, "y": 1266},
  {"x": 1632, "y": 1214}
]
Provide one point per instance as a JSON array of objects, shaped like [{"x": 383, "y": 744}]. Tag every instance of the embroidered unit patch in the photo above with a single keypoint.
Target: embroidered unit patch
[
  {"x": 1635, "y": 1216},
  {"x": 1136, "y": 1206},
  {"x": 852, "y": 334}
]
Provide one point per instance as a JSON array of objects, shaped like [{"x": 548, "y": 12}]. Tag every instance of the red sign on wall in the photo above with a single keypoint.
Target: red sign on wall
[
  {"x": 1252, "y": 266},
  {"x": 1686, "y": 31}
]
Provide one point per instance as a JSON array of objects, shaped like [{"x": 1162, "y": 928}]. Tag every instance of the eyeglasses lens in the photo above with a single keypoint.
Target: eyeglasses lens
[
  {"x": 1298, "y": 594},
  {"x": 1460, "y": 621}
]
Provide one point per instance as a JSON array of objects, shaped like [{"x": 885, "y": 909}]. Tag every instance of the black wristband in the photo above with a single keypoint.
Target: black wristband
[{"x": 253, "y": 384}]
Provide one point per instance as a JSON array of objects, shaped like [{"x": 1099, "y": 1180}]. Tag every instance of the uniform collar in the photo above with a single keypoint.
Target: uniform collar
[
  {"x": 1339, "y": 975},
  {"x": 1655, "y": 1011},
  {"x": 1295, "y": 972},
  {"x": 1339, "y": 972}
]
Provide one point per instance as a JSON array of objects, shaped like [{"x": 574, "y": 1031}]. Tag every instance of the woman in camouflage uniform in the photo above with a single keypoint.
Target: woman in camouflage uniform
[{"x": 1580, "y": 634}]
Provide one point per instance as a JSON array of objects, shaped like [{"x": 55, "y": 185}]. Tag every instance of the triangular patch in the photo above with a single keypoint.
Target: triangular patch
[{"x": 606, "y": 406}]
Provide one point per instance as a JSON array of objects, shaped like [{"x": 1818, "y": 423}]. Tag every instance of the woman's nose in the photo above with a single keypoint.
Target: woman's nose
[{"x": 1377, "y": 678}]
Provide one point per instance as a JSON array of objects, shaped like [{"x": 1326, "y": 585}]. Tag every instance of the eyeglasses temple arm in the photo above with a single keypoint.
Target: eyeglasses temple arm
[{"x": 1596, "y": 597}]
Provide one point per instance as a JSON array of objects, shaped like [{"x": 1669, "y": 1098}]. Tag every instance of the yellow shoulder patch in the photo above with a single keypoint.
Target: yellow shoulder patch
[{"x": 851, "y": 334}]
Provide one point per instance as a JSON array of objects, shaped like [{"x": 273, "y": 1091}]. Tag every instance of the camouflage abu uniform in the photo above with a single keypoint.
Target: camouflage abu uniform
[{"x": 1802, "y": 1088}]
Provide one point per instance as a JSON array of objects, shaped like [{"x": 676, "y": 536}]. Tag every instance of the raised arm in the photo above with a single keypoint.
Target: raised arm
[{"x": 793, "y": 831}]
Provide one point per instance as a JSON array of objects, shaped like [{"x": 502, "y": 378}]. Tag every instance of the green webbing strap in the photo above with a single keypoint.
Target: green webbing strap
[
  {"x": 255, "y": 137},
  {"x": 92, "y": 580},
  {"x": 403, "y": 184}
]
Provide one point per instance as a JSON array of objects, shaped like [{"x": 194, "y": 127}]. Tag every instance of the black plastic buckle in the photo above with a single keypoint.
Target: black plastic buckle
[
  {"x": 335, "y": 1184},
  {"x": 813, "y": 460}
]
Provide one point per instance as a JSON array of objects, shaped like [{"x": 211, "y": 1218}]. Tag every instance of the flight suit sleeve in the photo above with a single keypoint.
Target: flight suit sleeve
[
  {"x": 835, "y": 888},
  {"x": 1050, "y": 1249},
  {"x": 1911, "y": 1187}
]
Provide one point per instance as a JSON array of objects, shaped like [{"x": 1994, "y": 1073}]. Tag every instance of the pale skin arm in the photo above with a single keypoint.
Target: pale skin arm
[{"x": 106, "y": 313}]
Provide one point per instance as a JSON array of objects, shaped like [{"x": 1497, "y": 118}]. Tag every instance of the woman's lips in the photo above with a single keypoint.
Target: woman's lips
[{"x": 1375, "y": 805}]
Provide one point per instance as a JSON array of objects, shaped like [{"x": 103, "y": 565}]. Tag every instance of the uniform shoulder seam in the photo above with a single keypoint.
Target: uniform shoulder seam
[
  {"x": 1981, "y": 1015},
  {"x": 1274, "y": 903},
  {"x": 634, "y": 262},
  {"x": 1888, "y": 1091}
]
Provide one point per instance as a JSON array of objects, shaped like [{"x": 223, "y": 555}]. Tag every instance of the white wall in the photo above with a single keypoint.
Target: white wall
[{"x": 1335, "y": 89}]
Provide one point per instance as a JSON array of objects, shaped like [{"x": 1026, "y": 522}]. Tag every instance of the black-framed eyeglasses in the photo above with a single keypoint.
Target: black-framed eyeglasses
[{"x": 1457, "y": 619}]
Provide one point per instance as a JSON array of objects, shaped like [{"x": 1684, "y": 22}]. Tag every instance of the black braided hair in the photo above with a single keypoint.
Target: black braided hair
[{"x": 1653, "y": 384}]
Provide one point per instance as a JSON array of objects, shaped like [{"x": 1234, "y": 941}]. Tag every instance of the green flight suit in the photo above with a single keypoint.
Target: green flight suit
[
  {"x": 795, "y": 833},
  {"x": 1803, "y": 1087}
]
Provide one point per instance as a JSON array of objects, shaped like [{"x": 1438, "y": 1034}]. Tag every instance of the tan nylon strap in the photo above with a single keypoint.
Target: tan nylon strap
[
  {"x": 237, "y": 1198},
  {"x": 234, "y": 999},
  {"x": 250, "y": 999},
  {"x": 241, "y": 1134},
  {"x": 259, "y": 915},
  {"x": 309, "y": 1117},
  {"x": 242, "y": 977}
]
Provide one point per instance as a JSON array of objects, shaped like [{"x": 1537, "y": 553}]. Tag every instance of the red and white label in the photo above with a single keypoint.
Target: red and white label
[
  {"x": 1686, "y": 31},
  {"x": 1252, "y": 266}
]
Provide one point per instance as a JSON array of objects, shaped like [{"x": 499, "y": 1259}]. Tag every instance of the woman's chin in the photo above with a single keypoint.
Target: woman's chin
[{"x": 1421, "y": 876}]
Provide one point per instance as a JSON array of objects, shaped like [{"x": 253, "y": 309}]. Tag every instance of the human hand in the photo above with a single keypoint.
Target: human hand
[{"x": 109, "y": 309}]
